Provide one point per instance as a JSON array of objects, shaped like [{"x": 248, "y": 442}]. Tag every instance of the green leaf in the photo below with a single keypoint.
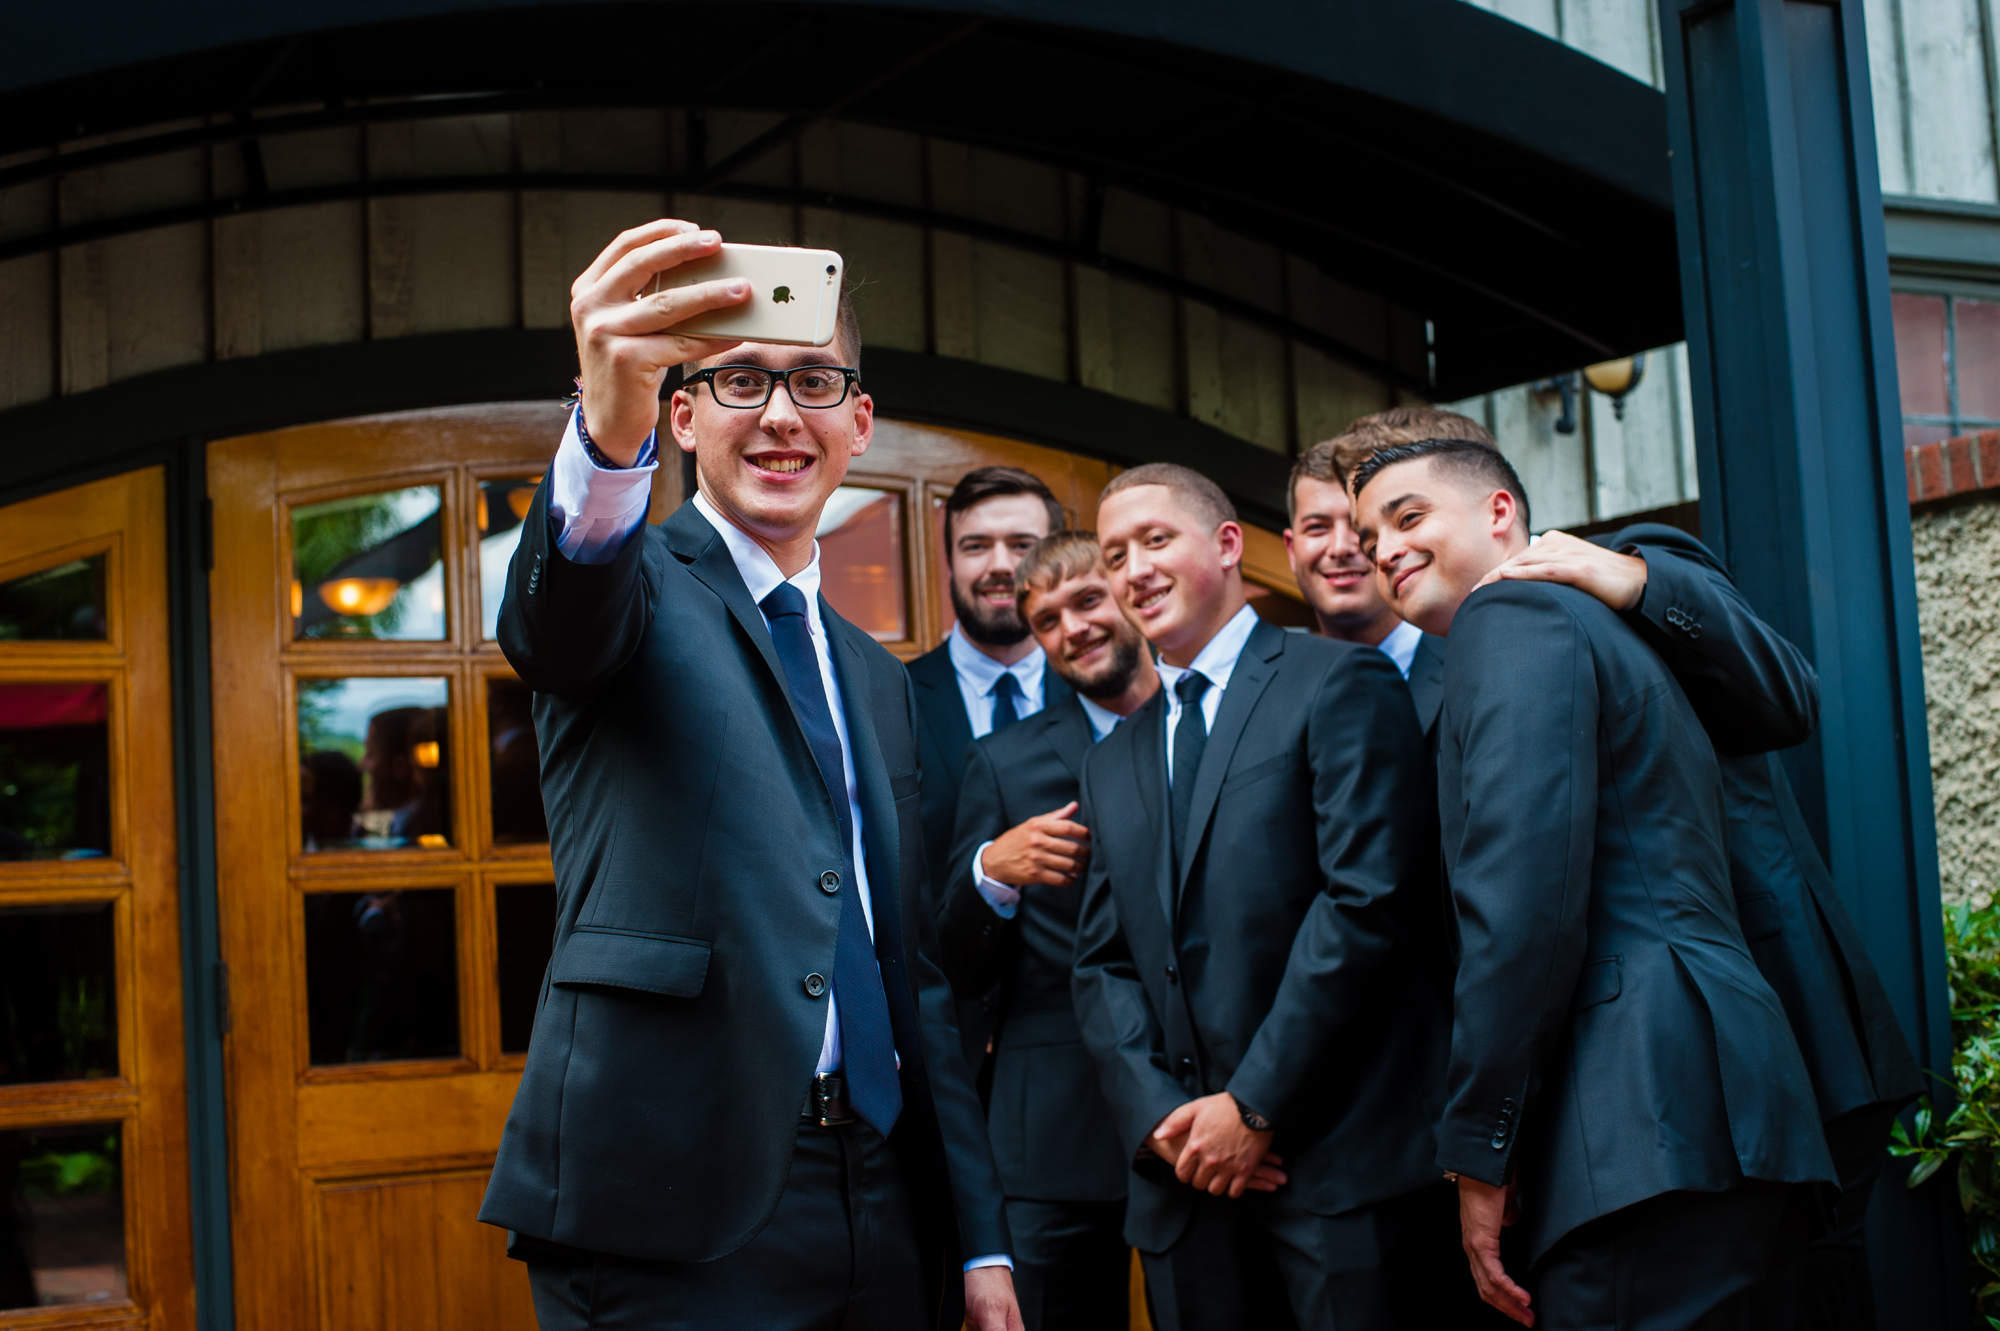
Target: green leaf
[{"x": 1922, "y": 1173}]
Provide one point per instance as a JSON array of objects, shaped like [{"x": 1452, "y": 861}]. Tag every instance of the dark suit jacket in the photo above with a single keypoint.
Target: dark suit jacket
[
  {"x": 676, "y": 1039},
  {"x": 1752, "y": 688},
  {"x": 1053, "y": 1137},
  {"x": 945, "y": 732},
  {"x": 1427, "y": 681},
  {"x": 1285, "y": 962},
  {"x": 1612, "y": 1038}
]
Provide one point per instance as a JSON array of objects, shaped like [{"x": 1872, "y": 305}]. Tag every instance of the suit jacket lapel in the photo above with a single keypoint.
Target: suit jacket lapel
[
  {"x": 1254, "y": 669},
  {"x": 871, "y": 775},
  {"x": 1148, "y": 727},
  {"x": 690, "y": 536},
  {"x": 1068, "y": 732},
  {"x": 943, "y": 709},
  {"x": 1427, "y": 680}
]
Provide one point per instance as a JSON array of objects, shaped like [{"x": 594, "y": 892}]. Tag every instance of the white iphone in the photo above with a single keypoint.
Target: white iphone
[{"x": 794, "y": 294}]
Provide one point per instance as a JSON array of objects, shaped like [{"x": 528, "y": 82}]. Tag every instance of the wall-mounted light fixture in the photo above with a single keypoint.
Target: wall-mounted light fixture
[
  {"x": 1566, "y": 385},
  {"x": 1616, "y": 379},
  {"x": 359, "y": 596}
]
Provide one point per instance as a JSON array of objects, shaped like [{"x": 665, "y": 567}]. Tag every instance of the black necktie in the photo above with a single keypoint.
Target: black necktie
[
  {"x": 867, "y": 1045},
  {"x": 1004, "y": 712},
  {"x": 1190, "y": 738}
]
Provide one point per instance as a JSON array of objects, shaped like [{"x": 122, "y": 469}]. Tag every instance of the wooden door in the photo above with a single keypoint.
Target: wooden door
[
  {"x": 386, "y": 896},
  {"x": 94, "y": 1220}
]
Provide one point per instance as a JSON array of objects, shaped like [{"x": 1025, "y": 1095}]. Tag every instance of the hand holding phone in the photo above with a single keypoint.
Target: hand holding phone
[{"x": 627, "y": 339}]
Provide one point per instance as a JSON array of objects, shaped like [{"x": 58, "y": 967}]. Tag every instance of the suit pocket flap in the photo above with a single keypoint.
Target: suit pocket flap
[
  {"x": 1257, "y": 771},
  {"x": 1760, "y": 916},
  {"x": 1599, "y": 983},
  {"x": 650, "y": 963}
]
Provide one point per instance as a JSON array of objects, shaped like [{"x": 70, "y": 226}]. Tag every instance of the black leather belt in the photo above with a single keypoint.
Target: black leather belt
[{"x": 826, "y": 1102}]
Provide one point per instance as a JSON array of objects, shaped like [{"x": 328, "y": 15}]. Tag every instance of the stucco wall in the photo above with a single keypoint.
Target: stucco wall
[{"x": 1958, "y": 607}]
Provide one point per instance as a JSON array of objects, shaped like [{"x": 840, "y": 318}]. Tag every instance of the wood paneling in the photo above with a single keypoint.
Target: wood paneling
[
  {"x": 405, "y": 1254},
  {"x": 123, "y": 518}
]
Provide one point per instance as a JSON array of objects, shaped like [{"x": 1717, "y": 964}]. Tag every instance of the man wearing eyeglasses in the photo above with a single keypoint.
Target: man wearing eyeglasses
[{"x": 745, "y": 1102}]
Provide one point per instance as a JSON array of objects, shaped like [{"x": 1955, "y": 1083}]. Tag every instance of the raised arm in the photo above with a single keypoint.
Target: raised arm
[
  {"x": 1752, "y": 689},
  {"x": 1517, "y": 795}
]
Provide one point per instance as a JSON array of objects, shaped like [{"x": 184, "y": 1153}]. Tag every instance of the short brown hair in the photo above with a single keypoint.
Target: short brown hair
[
  {"x": 846, "y": 342},
  {"x": 1056, "y": 559},
  {"x": 984, "y": 483},
  {"x": 1199, "y": 495},
  {"x": 1466, "y": 458},
  {"x": 1335, "y": 459}
]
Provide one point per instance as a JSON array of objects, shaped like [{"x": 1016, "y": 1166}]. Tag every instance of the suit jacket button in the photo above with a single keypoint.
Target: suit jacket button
[
  {"x": 1187, "y": 1065},
  {"x": 1500, "y": 1140},
  {"x": 815, "y": 985},
  {"x": 829, "y": 882},
  {"x": 1173, "y": 976}
]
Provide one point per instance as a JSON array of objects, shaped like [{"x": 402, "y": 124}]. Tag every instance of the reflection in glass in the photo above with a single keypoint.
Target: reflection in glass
[
  {"x": 502, "y": 507},
  {"x": 369, "y": 566},
  {"x": 381, "y": 976},
  {"x": 861, "y": 560},
  {"x": 374, "y": 764},
  {"x": 58, "y": 993},
  {"x": 1976, "y": 357},
  {"x": 55, "y": 772},
  {"x": 524, "y": 916},
  {"x": 61, "y": 603},
  {"x": 1922, "y": 357},
  {"x": 515, "y": 760},
  {"x": 62, "y": 1217}
]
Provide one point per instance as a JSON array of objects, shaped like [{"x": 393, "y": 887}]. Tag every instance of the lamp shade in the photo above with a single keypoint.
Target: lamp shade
[
  {"x": 359, "y": 596},
  {"x": 1616, "y": 378}
]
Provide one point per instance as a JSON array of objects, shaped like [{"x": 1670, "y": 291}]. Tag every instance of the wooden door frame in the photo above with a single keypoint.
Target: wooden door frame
[{"x": 126, "y": 517}]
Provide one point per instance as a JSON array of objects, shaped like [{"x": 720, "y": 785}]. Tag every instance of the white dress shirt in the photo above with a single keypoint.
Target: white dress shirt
[
  {"x": 1217, "y": 661},
  {"x": 978, "y": 673},
  {"x": 599, "y": 508},
  {"x": 1003, "y": 897},
  {"x": 1401, "y": 645}
]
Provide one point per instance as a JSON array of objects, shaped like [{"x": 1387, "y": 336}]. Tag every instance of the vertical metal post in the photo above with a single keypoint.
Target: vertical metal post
[
  {"x": 190, "y": 555},
  {"x": 1785, "y": 285}
]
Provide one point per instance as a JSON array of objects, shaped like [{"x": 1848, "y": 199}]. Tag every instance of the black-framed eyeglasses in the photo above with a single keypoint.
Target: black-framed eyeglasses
[{"x": 748, "y": 387}]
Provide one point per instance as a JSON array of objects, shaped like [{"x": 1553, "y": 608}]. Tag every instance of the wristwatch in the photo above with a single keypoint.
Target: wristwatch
[{"x": 1252, "y": 1120}]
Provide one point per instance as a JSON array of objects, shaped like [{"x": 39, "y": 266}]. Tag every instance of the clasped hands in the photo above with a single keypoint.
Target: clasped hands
[{"x": 1210, "y": 1147}]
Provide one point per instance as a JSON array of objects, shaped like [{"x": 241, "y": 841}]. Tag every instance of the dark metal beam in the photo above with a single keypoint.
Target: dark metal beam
[{"x": 1785, "y": 288}]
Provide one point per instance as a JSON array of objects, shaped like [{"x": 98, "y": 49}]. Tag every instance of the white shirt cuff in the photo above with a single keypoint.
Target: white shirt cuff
[
  {"x": 991, "y": 1259},
  {"x": 1005, "y": 900},
  {"x": 597, "y": 508}
]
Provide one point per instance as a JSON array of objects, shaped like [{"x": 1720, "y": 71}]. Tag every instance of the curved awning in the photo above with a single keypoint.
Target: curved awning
[{"x": 1509, "y": 191}]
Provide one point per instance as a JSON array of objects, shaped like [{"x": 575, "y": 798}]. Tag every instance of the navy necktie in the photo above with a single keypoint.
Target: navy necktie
[
  {"x": 867, "y": 1045},
  {"x": 1190, "y": 737},
  {"x": 1004, "y": 692}
]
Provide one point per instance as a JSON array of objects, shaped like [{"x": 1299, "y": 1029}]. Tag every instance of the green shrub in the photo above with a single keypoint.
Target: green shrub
[{"x": 1969, "y": 1139}]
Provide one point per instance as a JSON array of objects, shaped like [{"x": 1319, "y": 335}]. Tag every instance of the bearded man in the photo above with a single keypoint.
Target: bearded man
[{"x": 987, "y": 674}]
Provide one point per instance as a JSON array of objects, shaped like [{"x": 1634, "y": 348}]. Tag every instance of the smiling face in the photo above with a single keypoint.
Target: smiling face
[
  {"x": 1086, "y": 636},
  {"x": 770, "y": 469},
  {"x": 988, "y": 541},
  {"x": 1433, "y": 534},
  {"x": 1178, "y": 581},
  {"x": 1333, "y": 575}
]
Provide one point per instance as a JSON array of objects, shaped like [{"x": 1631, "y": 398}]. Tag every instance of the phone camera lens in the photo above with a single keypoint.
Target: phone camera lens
[{"x": 829, "y": 270}]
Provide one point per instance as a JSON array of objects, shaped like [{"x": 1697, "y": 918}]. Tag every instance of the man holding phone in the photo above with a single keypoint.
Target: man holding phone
[{"x": 744, "y": 1102}]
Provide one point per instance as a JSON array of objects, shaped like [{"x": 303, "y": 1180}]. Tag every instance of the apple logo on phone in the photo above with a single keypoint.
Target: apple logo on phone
[{"x": 781, "y": 295}]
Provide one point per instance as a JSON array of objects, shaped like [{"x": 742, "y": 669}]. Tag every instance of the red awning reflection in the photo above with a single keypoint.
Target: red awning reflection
[{"x": 33, "y": 706}]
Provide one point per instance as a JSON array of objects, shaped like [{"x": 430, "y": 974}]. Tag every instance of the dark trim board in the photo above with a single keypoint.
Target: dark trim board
[{"x": 51, "y": 444}]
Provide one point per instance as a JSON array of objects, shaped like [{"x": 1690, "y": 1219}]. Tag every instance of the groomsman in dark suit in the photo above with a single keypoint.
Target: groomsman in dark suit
[
  {"x": 744, "y": 1103},
  {"x": 1251, "y": 970},
  {"x": 988, "y": 673},
  {"x": 1009, "y": 925},
  {"x": 1616, "y": 1056},
  {"x": 1755, "y": 691}
]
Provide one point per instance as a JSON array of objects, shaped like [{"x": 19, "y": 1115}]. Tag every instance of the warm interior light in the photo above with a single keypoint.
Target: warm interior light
[
  {"x": 359, "y": 596},
  {"x": 432, "y": 841},
  {"x": 1613, "y": 378},
  {"x": 298, "y": 599},
  {"x": 482, "y": 510},
  {"x": 519, "y": 498},
  {"x": 425, "y": 752}
]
